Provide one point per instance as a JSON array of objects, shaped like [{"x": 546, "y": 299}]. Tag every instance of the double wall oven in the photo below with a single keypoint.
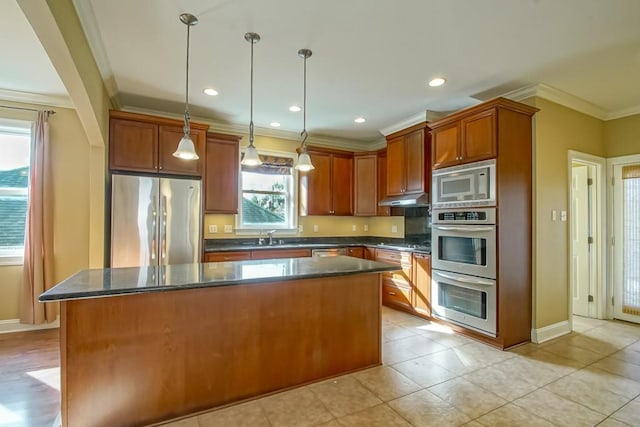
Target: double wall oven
[{"x": 464, "y": 256}]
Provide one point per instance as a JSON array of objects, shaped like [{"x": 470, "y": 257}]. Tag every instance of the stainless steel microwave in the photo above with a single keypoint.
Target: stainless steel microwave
[{"x": 473, "y": 184}]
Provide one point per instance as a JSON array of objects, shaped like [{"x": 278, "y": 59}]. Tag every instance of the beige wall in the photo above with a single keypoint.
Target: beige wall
[
  {"x": 622, "y": 136},
  {"x": 557, "y": 130},
  {"x": 71, "y": 163}
]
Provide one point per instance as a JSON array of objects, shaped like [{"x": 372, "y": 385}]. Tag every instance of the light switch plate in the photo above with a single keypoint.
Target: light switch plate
[
  {"x": 213, "y": 229},
  {"x": 394, "y": 228},
  {"x": 354, "y": 227},
  {"x": 300, "y": 228},
  {"x": 554, "y": 215},
  {"x": 366, "y": 227},
  {"x": 315, "y": 228},
  {"x": 228, "y": 228},
  {"x": 563, "y": 215}
]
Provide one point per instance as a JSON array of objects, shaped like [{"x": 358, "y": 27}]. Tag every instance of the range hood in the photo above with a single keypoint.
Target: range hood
[{"x": 406, "y": 200}]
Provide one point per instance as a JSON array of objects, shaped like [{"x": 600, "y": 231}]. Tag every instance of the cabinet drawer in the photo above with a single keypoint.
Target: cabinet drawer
[
  {"x": 226, "y": 256},
  {"x": 280, "y": 253},
  {"x": 396, "y": 295}
]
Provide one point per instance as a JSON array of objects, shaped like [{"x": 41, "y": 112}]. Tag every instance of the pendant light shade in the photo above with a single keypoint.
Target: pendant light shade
[
  {"x": 251, "y": 157},
  {"x": 186, "y": 149},
  {"x": 304, "y": 160}
]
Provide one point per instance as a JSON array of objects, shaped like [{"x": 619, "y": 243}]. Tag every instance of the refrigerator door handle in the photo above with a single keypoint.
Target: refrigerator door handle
[
  {"x": 163, "y": 229},
  {"x": 154, "y": 223}
]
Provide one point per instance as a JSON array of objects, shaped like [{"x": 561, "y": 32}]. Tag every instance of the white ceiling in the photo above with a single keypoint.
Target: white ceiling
[{"x": 370, "y": 58}]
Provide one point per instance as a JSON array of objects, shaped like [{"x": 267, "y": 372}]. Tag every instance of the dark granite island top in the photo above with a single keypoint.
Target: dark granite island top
[
  {"x": 140, "y": 346},
  {"x": 133, "y": 280}
]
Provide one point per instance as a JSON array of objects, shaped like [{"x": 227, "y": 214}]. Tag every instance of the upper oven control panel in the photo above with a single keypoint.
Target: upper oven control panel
[{"x": 464, "y": 216}]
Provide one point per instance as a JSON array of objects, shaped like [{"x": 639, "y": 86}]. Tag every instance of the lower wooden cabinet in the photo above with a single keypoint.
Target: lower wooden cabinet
[
  {"x": 226, "y": 256},
  {"x": 422, "y": 284},
  {"x": 356, "y": 251}
]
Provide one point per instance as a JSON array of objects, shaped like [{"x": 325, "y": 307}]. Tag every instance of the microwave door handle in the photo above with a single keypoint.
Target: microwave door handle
[
  {"x": 466, "y": 279},
  {"x": 473, "y": 230}
]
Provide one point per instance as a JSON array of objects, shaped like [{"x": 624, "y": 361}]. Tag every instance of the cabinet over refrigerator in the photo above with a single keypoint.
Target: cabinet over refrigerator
[{"x": 154, "y": 221}]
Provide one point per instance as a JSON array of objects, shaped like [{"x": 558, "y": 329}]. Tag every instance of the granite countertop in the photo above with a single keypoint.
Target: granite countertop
[
  {"x": 222, "y": 245},
  {"x": 132, "y": 280}
]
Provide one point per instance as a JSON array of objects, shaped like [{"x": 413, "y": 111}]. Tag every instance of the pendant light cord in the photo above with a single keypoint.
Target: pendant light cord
[
  {"x": 251, "y": 104},
  {"x": 304, "y": 105},
  {"x": 187, "y": 127}
]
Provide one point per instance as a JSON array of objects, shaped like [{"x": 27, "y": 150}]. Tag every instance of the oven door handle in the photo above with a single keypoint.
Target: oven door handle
[
  {"x": 466, "y": 280},
  {"x": 471, "y": 229}
]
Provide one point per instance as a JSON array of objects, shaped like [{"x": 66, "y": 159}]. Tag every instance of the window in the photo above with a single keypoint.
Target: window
[
  {"x": 267, "y": 194},
  {"x": 15, "y": 142}
]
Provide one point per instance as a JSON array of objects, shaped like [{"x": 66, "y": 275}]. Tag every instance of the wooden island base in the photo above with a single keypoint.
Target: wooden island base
[{"x": 143, "y": 358}]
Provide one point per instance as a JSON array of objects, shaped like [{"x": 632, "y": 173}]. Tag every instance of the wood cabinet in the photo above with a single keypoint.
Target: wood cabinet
[
  {"x": 365, "y": 188},
  {"x": 382, "y": 182},
  {"x": 142, "y": 143},
  {"x": 280, "y": 253},
  {"x": 221, "y": 173},
  {"x": 422, "y": 283},
  {"x": 500, "y": 129},
  {"x": 327, "y": 189},
  {"x": 355, "y": 251},
  {"x": 469, "y": 139},
  {"x": 396, "y": 285},
  {"x": 226, "y": 256},
  {"x": 408, "y": 161}
]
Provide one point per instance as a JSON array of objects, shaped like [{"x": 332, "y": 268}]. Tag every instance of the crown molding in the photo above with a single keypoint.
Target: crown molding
[
  {"x": 558, "y": 96},
  {"x": 238, "y": 129},
  {"x": 36, "y": 98},
  {"x": 89, "y": 24},
  {"x": 408, "y": 122},
  {"x": 623, "y": 113}
]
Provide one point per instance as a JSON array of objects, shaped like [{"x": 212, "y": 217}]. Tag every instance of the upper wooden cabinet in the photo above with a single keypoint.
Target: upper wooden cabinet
[
  {"x": 327, "y": 189},
  {"x": 408, "y": 165},
  {"x": 221, "y": 173},
  {"x": 365, "y": 189},
  {"x": 142, "y": 143},
  {"x": 470, "y": 135}
]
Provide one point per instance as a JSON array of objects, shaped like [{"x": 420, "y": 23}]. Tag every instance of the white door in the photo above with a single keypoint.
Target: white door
[
  {"x": 580, "y": 233},
  {"x": 626, "y": 211}
]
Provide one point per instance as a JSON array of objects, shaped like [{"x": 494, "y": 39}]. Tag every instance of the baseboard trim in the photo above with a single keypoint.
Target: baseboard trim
[
  {"x": 14, "y": 325},
  {"x": 550, "y": 332}
]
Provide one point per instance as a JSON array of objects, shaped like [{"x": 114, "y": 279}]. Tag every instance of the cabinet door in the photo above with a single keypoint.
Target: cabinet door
[
  {"x": 365, "y": 189},
  {"x": 414, "y": 160},
  {"x": 382, "y": 184},
  {"x": 133, "y": 145},
  {"x": 280, "y": 253},
  {"x": 422, "y": 283},
  {"x": 226, "y": 256},
  {"x": 169, "y": 137},
  {"x": 445, "y": 146},
  {"x": 369, "y": 253},
  {"x": 356, "y": 251},
  {"x": 341, "y": 185},
  {"x": 395, "y": 166},
  {"x": 315, "y": 186},
  {"x": 221, "y": 176},
  {"x": 479, "y": 136}
]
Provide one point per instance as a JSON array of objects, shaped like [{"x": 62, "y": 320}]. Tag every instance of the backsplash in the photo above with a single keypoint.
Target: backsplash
[{"x": 326, "y": 226}]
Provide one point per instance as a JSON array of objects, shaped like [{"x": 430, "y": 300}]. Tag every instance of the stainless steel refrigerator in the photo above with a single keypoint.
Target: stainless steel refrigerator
[{"x": 154, "y": 221}]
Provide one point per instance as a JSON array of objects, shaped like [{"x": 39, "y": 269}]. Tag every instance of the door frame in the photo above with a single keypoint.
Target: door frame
[
  {"x": 600, "y": 230},
  {"x": 611, "y": 164}
]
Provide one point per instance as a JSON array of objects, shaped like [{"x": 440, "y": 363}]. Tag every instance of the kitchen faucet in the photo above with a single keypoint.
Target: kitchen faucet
[{"x": 270, "y": 234}]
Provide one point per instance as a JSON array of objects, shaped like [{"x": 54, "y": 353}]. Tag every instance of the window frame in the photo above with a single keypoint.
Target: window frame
[
  {"x": 292, "y": 226},
  {"x": 15, "y": 127}
]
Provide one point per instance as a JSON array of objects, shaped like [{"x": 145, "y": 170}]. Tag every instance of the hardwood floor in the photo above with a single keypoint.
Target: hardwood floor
[{"x": 29, "y": 378}]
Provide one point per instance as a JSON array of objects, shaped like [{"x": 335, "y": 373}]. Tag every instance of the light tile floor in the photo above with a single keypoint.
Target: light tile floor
[{"x": 431, "y": 377}]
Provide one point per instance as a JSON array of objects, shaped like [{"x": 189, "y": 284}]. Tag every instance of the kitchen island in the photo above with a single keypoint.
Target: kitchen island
[{"x": 143, "y": 345}]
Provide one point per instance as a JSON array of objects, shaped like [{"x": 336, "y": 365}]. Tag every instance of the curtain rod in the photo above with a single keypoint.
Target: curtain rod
[{"x": 26, "y": 109}]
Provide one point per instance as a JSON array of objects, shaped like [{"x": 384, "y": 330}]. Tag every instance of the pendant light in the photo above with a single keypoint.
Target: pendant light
[
  {"x": 304, "y": 160},
  {"x": 186, "y": 149},
  {"x": 251, "y": 156}
]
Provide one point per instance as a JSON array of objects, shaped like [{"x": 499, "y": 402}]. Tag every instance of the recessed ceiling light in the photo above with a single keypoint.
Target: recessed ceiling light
[
  {"x": 294, "y": 108},
  {"x": 360, "y": 120},
  {"x": 438, "y": 81},
  {"x": 275, "y": 124},
  {"x": 211, "y": 91}
]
